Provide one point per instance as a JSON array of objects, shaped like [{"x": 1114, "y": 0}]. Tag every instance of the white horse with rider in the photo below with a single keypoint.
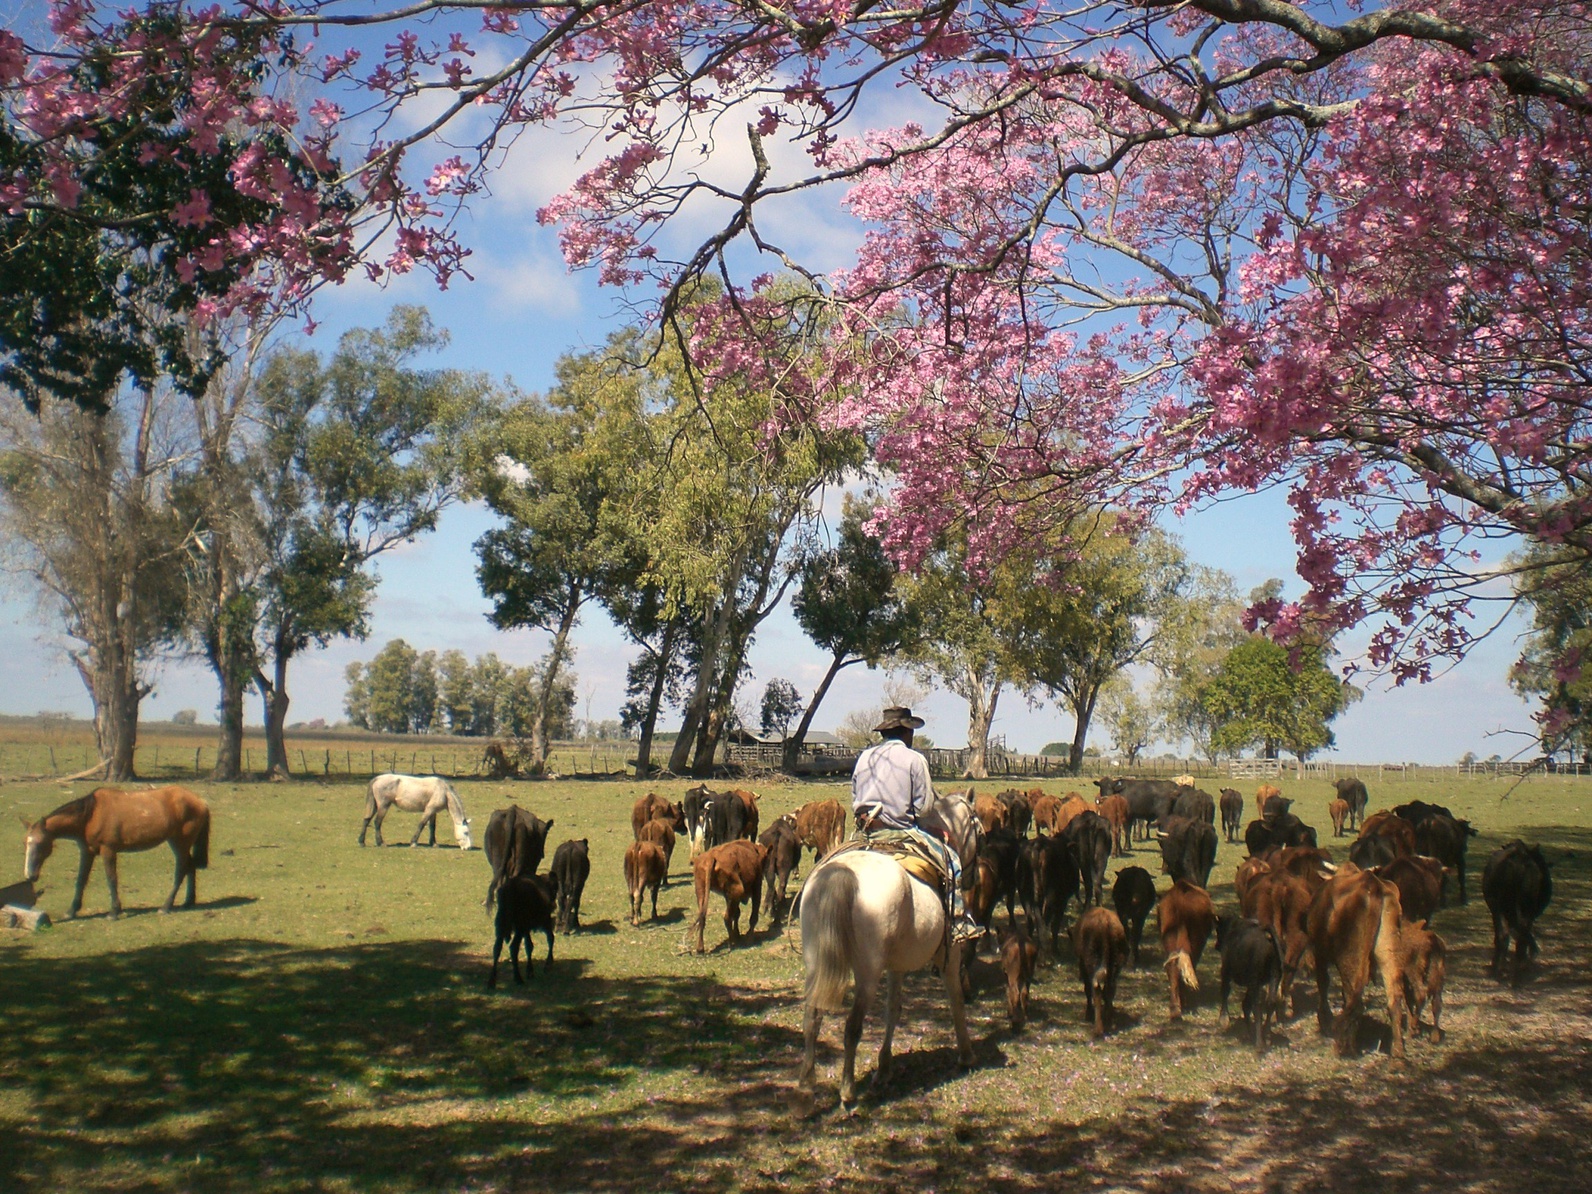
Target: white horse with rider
[
  {"x": 427, "y": 795},
  {"x": 864, "y": 917}
]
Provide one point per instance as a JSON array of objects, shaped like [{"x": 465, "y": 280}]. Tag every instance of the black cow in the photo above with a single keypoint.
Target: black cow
[
  {"x": 515, "y": 841},
  {"x": 1517, "y": 886},
  {"x": 1019, "y": 810},
  {"x": 524, "y": 903},
  {"x": 1445, "y": 838},
  {"x": 1088, "y": 838},
  {"x": 784, "y": 855},
  {"x": 1232, "y": 813},
  {"x": 1001, "y": 847},
  {"x": 1252, "y": 959},
  {"x": 1416, "y": 811},
  {"x": 728, "y": 819},
  {"x": 1134, "y": 896},
  {"x": 1196, "y": 805},
  {"x": 571, "y": 865},
  {"x": 1188, "y": 849},
  {"x": 1277, "y": 829},
  {"x": 1047, "y": 877},
  {"x": 1148, "y": 799},
  {"x": 1352, "y": 792}
]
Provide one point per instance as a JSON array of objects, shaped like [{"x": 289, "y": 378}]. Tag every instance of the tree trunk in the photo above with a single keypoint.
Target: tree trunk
[
  {"x": 544, "y": 698},
  {"x": 654, "y": 700},
  {"x": 114, "y": 689},
  {"x": 229, "y": 743},
  {"x": 793, "y": 744},
  {"x": 696, "y": 710},
  {"x": 980, "y": 716},
  {"x": 273, "y": 694},
  {"x": 1084, "y": 713}
]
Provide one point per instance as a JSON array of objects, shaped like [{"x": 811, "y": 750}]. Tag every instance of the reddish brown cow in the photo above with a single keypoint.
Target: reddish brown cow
[
  {"x": 1389, "y": 825},
  {"x": 984, "y": 891},
  {"x": 1102, "y": 947},
  {"x": 1425, "y": 968},
  {"x": 735, "y": 871},
  {"x": 1282, "y": 903},
  {"x": 1355, "y": 927},
  {"x": 1338, "y": 813},
  {"x": 1263, "y": 795},
  {"x": 1044, "y": 806},
  {"x": 645, "y": 868},
  {"x": 991, "y": 812},
  {"x": 1185, "y": 917},
  {"x": 651, "y": 807},
  {"x": 1420, "y": 883},
  {"x": 1310, "y": 863},
  {"x": 660, "y": 832},
  {"x": 1115, "y": 810},
  {"x": 1071, "y": 805},
  {"x": 821, "y": 826},
  {"x": 1248, "y": 874},
  {"x": 1018, "y": 955}
]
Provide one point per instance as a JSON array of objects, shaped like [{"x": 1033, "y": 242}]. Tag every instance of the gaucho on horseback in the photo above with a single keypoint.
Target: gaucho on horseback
[{"x": 890, "y": 788}]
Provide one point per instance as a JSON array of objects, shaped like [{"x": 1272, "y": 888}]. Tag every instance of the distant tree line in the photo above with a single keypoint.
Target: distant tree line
[{"x": 402, "y": 691}]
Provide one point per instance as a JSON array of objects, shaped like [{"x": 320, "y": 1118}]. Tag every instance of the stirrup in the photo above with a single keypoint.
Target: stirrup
[{"x": 966, "y": 931}]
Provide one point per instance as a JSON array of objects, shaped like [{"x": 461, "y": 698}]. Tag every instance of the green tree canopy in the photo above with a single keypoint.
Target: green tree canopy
[
  {"x": 1555, "y": 666},
  {"x": 1270, "y": 698}
]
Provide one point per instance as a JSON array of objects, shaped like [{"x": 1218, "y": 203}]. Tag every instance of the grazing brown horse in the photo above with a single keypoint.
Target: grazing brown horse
[{"x": 109, "y": 821}]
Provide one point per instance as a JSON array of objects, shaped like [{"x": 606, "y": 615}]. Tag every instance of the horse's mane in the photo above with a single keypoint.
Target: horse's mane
[{"x": 78, "y": 809}]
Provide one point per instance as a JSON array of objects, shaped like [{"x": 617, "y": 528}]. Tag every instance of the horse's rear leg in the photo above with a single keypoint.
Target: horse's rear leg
[
  {"x": 953, "y": 988},
  {"x": 812, "y": 1021},
  {"x": 85, "y": 864},
  {"x": 892, "y": 1013},
  {"x": 861, "y": 1000},
  {"x": 184, "y": 869}
]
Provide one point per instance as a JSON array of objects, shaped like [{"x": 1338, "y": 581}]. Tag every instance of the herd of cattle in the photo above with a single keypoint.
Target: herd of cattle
[{"x": 1365, "y": 917}]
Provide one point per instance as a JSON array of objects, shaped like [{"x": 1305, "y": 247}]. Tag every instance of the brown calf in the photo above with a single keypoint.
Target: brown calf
[
  {"x": 1115, "y": 810},
  {"x": 650, "y": 807},
  {"x": 661, "y": 832},
  {"x": 1425, "y": 967},
  {"x": 645, "y": 868},
  {"x": 821, "y": 826},
  {"x": 1044, "y": 806},
  {"x": 1069, "y": 807},
  {"x": 1282, "y": 903},
  {"x": 1185, "y": 917},
  {"x": 1249, "y": 873},
  {"x": 1355, "y": 926},
  {"x": 1102, "y": 947},
  {"x": 735, "y": 871},
  {"x": 1263, "y": 796},
  {"x": 1420, "y": 883},
  {"x": 1338, "y": 813},
  {"x": 991, "y": 812},
  {"x": 1018, "y": 955}
]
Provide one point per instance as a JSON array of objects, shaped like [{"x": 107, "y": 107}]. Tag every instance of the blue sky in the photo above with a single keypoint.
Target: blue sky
[{"x": 524, "y": 310}]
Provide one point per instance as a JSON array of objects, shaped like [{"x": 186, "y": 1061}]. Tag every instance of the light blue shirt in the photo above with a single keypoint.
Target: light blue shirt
[{"x": 893, "y": 780}]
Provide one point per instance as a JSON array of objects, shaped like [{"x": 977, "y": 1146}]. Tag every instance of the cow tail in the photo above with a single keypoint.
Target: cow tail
[
  {"x": 828, "y": 947},
  {"x": 200, "y": 854},
  {"x": 1185, "y": 968}
]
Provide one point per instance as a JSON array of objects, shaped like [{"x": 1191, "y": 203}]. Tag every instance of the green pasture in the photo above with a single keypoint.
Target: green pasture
[{"x": 321, "y": 1022}]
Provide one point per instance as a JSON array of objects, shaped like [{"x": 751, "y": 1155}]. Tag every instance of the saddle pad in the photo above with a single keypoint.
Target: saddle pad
[{"x": 922, "y": 869}]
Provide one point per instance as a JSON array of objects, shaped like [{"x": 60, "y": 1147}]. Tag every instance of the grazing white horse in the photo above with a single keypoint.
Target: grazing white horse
[
  {"x": 427, "y": 795},
  {"x": 864, "y": 916}
]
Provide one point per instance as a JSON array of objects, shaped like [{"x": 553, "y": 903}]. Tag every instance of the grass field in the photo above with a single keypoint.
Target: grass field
[{"x": 321, "y": 1022}]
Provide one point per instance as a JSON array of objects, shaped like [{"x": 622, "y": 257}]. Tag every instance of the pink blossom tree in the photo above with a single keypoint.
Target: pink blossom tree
[{"x": 1127, "y": 254}]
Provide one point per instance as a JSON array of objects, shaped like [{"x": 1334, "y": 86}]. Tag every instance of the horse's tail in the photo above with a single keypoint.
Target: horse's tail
[
  {"x": 370, "y": 798},
  {"x": 201, "y": 843},
  {"x": 830, "y": 898}
]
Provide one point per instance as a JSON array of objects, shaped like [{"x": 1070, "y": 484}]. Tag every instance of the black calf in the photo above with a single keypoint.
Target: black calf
[
  {"x": 524, "y": 903},
  {"x": 1134, "y": 896},
  {"x": 1252, "y": 959},
  {"x": 571, "y": 865}
]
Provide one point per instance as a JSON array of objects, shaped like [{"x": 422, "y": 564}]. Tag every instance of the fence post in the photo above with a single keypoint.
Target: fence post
[
  {"x": 196, "y": 751},
  {"x": 327, "y": 770}
]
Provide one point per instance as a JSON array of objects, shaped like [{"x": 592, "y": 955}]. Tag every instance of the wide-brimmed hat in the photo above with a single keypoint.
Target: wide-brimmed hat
[{"x": 898, "y": 717}]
